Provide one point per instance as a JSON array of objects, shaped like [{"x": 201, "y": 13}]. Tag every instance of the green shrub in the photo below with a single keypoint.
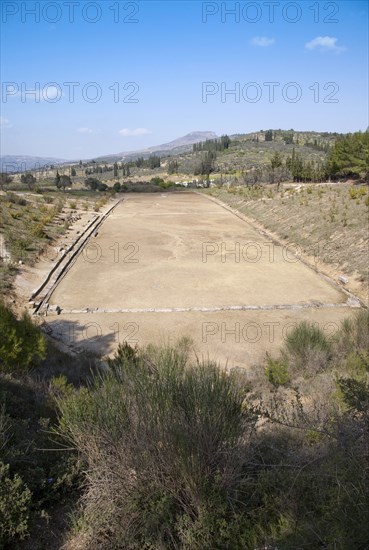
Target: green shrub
[
  {"x": 21, "y": 342},
  {"x": 307, "y": 348},
  {"x": 5, "y": 426},
  {"x": 19, "y": 246},
  {"x": 157, "y": 181},
  {"x": 60, "y": 387},
  {"x": 277, "y": 372},
  {"x": 38, "y": 230},
  {"x": 7, "y": 273},
  {"x": 354, "y": 333},
  {"x": 355, "y": 364},
  {"x": 15, "y": 500},
  {"x": 166, "y": 184},
  {"x": 356, "y": 396},
  {"x": 353, "y": 193}
]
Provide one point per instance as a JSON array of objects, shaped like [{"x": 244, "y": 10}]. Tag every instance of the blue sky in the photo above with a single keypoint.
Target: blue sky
[{"x": 171, "y": 61}]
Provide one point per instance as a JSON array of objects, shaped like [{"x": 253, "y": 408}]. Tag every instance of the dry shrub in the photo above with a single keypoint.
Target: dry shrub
[
  {"x": 165, "y": 444},
  {"x": 307, "y": 349}
]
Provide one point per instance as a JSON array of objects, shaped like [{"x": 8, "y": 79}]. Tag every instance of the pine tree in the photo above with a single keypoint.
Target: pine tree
[
  {"x": 269, "y": 135},
  {"x": 275, "y": 162},
  {"x": 57, "y": 179},
  {"x": 350, "y": 157}
]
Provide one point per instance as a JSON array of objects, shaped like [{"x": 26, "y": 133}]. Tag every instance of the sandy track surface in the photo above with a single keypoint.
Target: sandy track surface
[{"x": 172, "y": 265}]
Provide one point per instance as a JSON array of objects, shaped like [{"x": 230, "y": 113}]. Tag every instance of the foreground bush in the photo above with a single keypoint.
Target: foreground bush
[
  {"x": 276, "y": 372},
  {"x": 166, "y": 448},
  {"x": 21, "y": 342},
  {"x": 15, "y": 500},
  {"x": 307, "y": 349},
  {"x": 354, "y": 333},
  {"x": 176, "y": 458},
  {"x": 37, "y": 479}
]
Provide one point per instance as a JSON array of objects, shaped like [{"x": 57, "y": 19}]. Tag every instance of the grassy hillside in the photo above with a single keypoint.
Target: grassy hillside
[
  {"x": 251, "y": 150},
  {"x": 30, "y": 222}
]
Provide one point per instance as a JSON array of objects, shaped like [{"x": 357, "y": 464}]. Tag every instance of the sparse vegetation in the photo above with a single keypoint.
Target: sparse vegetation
[
  {"x": 154, "y": 448},
  {"x": 21, "y": 344},
  {"x": 307, "y": 349},
  {"x": 177, "y": 453},
  {"x": 277, "y": 372},
  {"x": 27, "y": 225},
  {"x": 174, "y": 458},
  {"x": 15, "y": 499}
]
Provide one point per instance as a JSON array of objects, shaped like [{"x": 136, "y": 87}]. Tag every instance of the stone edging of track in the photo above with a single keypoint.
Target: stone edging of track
[{"x": 67, "y": 260}]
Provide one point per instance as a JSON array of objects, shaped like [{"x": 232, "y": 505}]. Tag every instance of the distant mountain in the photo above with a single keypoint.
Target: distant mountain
[
  {"x": 21, "y": 163},
  {"x": 188, "y": 139},
  {"x": 177, "y": 146}
]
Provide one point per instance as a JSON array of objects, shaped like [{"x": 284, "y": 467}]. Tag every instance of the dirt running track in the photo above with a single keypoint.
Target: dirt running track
[{"x": 172, "y": 265}]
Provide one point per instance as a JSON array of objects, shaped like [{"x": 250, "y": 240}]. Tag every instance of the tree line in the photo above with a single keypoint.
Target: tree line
[
  {"x": 348, "y": 158},
  {"x": 213, "y": 145}
]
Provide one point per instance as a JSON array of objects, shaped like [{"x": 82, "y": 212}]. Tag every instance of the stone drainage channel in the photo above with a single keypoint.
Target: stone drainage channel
[{"x": 40, "y": 296}]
